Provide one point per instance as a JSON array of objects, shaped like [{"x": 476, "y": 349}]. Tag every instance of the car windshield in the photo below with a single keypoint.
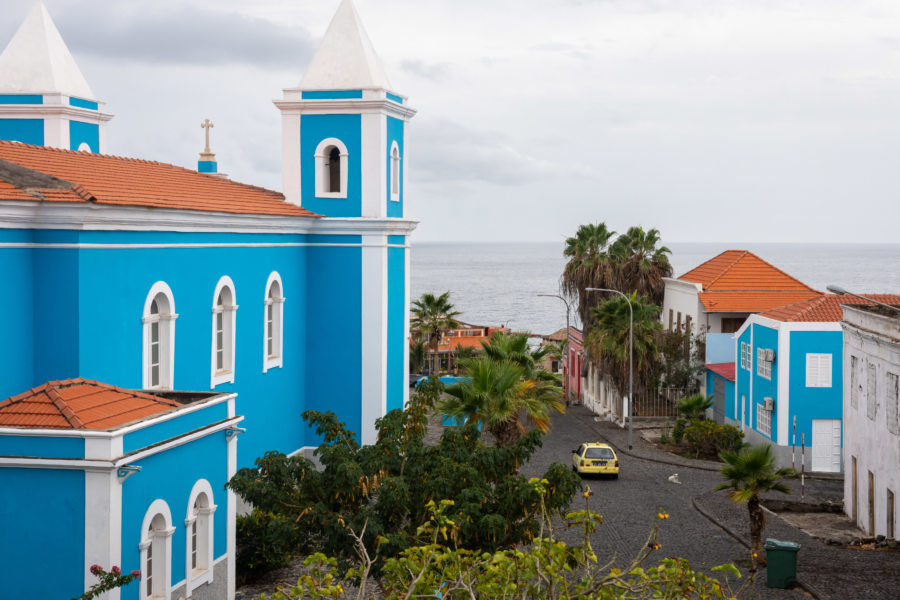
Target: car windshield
[{"x": 598, "y": 453}]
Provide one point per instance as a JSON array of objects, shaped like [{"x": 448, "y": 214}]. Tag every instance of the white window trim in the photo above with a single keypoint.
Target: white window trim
[
  {"x": 763, "y": 367},
  {"x": 320, "y": 159},
  {"x": 157, "y": 507},
  {"x": 167, "y": 331},
  {"x": 194, "y": 578},
  {"x": 743, "y": 355},
  {"x": 766, "y": 420},
  {"x": 275, "y": 361},
  {"x": 226, "y": 375},
  {"x": 818, "y": 370},
  {"x": 395, "y": 196}
]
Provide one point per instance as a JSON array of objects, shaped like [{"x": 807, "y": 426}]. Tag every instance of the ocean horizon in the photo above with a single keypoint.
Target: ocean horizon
[{"x": 497, "y": 283}]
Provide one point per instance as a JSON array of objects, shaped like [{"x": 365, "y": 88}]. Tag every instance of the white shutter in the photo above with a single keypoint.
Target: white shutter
[{"x": 818, "y": 370}]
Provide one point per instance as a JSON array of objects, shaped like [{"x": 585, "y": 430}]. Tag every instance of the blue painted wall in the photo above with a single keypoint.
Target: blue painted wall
[
  {"x": 809, "y": 403},
  {"x": 764, "y": 337},
  {"x": 742, "y": 376},
  {"x": 147, "y": 436},
  {"x": 711, "y": 378},
  {"x": 170, "y": 476},
  {"x": 55, "y": 310},
  {"x": 396, "y": 325},
  {"x": 83, "y": 103},
  {"x": 17, "y": 354},
  {"x": 43, "y": 533},
  {"x": 42, "y": 446},
  {"x": 395, "y": 134},
  {"x": 21, "y": 99},
  {"x": 334, "y": 333},
  {"x": 84, "y": 133},
  {"x": 27, "y": 131},
  {"x": 314, "y": 129},
  {"x": 207, "y": 166},
  {"x": 331, "y": 94}
]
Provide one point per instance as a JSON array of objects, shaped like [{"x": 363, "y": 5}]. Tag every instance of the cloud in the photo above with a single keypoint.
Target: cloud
[
  {"x": 436, "y": 72},
  {"x": 455, "y": 153},
  {"x": 161, "y": 33}
]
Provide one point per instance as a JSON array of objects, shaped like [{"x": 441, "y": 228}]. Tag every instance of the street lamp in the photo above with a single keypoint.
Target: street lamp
[
  {"x": 568, "y": 310},
  {"x": 836, "y": 289},
  {"x": 630, "y": 359}
]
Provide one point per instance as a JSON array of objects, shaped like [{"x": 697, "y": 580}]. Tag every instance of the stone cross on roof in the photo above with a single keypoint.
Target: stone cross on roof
[{"x": 207, "y": 154}]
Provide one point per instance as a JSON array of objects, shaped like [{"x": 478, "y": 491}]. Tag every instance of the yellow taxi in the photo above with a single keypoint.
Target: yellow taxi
[{"x": 595, "y": 458}]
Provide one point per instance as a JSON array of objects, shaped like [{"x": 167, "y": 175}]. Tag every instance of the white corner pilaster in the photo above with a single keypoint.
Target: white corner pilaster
[
  {"x": 373, "y": 165},
  {"x": 290, "y": 155},
  {"x": 374, "y": 334},
  {"x": 783, "y": 402},
  {"x": 406, "y": 308},
  {"x": 231, "y": 516},
  {"x": 102, "y": 524}
]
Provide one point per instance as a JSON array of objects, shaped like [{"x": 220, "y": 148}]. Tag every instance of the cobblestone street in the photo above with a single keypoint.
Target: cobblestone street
[{"x": 630, "y": 503}]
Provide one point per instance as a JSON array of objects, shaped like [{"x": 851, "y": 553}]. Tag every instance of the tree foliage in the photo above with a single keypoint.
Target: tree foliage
[
  {"x": 438, "y": 568},
  {"x": 749, "y": 472},
  {"x": 383, "y": 490},
  {"x": 431, "y": 317}
]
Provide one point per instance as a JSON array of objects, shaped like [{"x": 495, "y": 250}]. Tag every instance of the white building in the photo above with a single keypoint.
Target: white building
[{"x": 871, "y": 430}]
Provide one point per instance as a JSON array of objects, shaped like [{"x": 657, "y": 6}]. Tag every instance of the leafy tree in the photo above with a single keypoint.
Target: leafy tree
[
  {"x": 589, "y": 265},
  {"x": 432, "y": 316},
  {"x": 382, "y": 490},
  {"x": 416, "y": 355},
  {"x": 502, "y": 384},
  {"x": 748, "y": 473},
  {"x": 641, "y": 263},
  {"x": 608, "y": 341},
  {"x": 548, "y": 568},
  {"x": 695, "y": 407}
]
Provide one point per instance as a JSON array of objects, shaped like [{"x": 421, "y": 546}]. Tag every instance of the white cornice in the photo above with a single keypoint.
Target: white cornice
[
  {"x": 30, "y": 111},
  {"x": 345, "y": 106},
  {"x": 85, "y": 216}
]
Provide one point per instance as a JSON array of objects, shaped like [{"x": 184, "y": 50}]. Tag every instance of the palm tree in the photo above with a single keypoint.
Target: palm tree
[
  {"x": 589, "y": 265},
  {"x": 693, "y": 407},
  {"x": 641, "y": 263},
  {"x": 432, "y": 316},
  {"x": 608, "y": 340},
  {"x": 494, "y": 393},
  {"x": 514, "y": 348},
  {"x": 416, "y": 356},
  {"x": 748, "y": 473}
]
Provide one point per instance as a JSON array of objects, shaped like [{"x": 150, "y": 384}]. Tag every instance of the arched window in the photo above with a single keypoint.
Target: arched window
[
  {"x": 273, "y": 325},
  {"x": 156, "y": 552},
  {"x": 159, "y": 338},
  {"x": 395, "y": 172},
  {"x": 331, "y": 169},
  {"x": 224, "y": 311},
  {"x": 199, "y": 536}
]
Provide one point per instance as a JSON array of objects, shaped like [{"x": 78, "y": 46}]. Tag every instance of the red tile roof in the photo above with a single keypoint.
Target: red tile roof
[
  {"x": 824, "y": 309},
  {"x": 726, "y": 370},
  {"x": 79, "y": 404},
  {"x": 740, "y": 281},
  {"x": 113, "y": 180}
]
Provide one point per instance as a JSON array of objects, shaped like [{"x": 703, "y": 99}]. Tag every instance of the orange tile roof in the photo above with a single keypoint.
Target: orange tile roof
[
  {"x": 751, "y": 302},
  {"x": 740, "y": 281},
  {"x": 741, "y": 270},
  {"x": 466, "y": 341},
  {"x": 824, "y": 309},
  {"x": 114, "y": 180},
  {"x": 79, "y": 404}
]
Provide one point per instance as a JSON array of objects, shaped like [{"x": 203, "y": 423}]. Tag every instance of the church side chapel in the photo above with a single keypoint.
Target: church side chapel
[{"x": 167, "y": 326}]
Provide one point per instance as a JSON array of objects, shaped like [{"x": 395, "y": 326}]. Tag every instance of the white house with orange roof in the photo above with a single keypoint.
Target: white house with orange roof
[{"x": 789, "y": 382}]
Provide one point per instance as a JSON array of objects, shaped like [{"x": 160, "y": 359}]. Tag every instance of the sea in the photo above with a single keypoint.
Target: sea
[{"x": 498, "y": 283}]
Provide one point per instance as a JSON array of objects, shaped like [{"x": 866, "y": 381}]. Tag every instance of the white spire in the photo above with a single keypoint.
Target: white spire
[
  {"x": 37, "y": 60},
  {"x": 346, "y": 59}
]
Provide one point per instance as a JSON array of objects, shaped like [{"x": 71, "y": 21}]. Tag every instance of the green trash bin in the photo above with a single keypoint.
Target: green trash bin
[{"x": 781, "y": 563}]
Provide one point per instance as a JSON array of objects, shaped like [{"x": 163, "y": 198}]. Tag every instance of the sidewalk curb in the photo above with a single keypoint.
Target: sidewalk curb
[{"x": 815, "y": 593}]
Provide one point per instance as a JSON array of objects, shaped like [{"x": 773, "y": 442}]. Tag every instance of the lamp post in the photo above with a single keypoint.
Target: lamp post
[
  {"x": 568, "y": 310},
  {"x": 836, "y": 289},
  {"x": 630, "y": 359}
]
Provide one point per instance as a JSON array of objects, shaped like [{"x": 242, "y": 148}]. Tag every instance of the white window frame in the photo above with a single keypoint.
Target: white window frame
[
  {"x": 763, "y": 420},
  {"x": 743, "y": 355},
  {"x": 892, "y": 401},
  {"x": 203, "y": 519},
  {"x": 871, "y": 390},
  {"x": 396, "y": 171},
  {"x": 276, "y": 359},
  {"x": 818, "y": 370},
  {"x": 161, "y": 540},
  {"x": 763, "y": 367},
  {"x": 322, "y": 176},
  {"x": 165, "y": 320},
  {"x": 854, "y": 381},
  {"x": 229, "y": 337}
]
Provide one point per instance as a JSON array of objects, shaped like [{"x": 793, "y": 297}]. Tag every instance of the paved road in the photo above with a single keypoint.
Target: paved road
[{"x": 630, "y": 503}]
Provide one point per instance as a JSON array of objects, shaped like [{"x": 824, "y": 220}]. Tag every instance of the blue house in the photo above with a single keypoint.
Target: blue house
[
  {"x": 789, "y": 381},
  {"x": 156, "y": 278}
]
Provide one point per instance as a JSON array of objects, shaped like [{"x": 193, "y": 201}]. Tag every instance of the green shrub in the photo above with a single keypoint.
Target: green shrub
[
  {"x": 708, "y": 439},
  {"x": 678, "y": 430},
  {"x": 264, "y": 542}
]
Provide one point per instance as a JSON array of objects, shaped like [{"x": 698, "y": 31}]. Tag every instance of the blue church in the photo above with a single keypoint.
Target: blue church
[{"x": 167, "y": 326}]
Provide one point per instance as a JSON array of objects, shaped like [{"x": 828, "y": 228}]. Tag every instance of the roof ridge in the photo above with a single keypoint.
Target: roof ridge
[
  {"x": 740, "y": 257},
  {"x": 788, "y": 275},
  {"x": 64, "y": 409}
]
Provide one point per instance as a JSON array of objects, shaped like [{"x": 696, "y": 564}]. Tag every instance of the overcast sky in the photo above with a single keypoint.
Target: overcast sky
[{"x": 712, "y": 120}]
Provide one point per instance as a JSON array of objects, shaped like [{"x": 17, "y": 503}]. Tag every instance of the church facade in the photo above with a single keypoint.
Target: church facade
[{"x": 168, "y": 326}]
